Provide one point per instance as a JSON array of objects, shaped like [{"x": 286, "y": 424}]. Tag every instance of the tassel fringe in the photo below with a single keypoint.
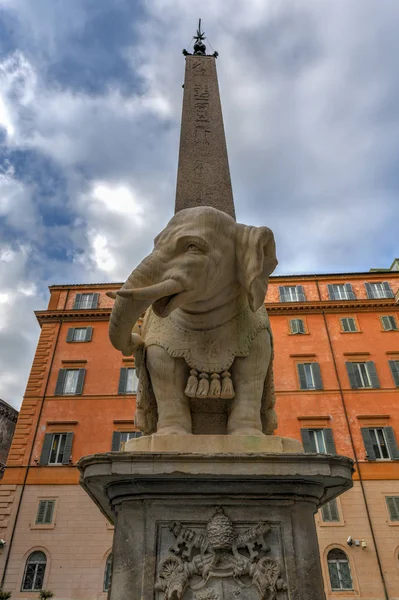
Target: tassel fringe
[
  {"x": 203, "y": 386},
  {"x": 218, "y": 386},
  {"x": 215, "y": 387},
  {"x": 192, "y": 384},
  {"x": 227, "y": 386}
]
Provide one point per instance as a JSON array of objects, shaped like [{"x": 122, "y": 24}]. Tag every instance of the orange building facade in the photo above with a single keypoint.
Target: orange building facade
[{"x": 337, "y": 382}]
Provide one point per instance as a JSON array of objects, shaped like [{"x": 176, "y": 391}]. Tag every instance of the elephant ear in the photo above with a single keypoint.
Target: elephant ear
[{"x": 256, "y": 260}]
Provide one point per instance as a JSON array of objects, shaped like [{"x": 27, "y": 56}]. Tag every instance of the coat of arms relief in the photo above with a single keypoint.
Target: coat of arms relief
[{"x": 220, "y": 561}]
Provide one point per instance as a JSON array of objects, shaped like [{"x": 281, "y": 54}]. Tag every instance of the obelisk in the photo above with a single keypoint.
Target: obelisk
[{"x": 203, "y": 176}]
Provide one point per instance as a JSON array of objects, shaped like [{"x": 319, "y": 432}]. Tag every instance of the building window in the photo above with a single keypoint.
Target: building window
[
  {"x": 389, "y": 323},
  {"x": 309, "y": 376},
  {"x": 35, "y": 569},
  {"x": 45, "y": 512},
  {"x": 348, "y": 324},
  {"x": 339, "y": 570},
  {"x": 70, "y": 382},
  {"x": 380, "y": 443},
  {"x": 127, "y": 381},
  {"x": 119, "y": 439},
  {"x": 83, "y": 301},
  {"x": 79, "y": 334},
  {"x": 292, "y": 293},
  {"x": 57, "y": 448},
  {"x": 329, "y": 512},
  {"x": 394, "y": 366},
  {"x": 362, "y": 375},
  {"x": 107, "y": 573},
  {"x": 318, "y": 440},
  {"x": 297, "y": 326},
  {"x": 341, "y": 291},
  {"x": 379, "y": 290},
  {"x": 393, "y": 507}
]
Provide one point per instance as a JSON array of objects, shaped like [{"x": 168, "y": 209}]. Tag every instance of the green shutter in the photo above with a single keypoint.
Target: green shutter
[
  {"x": 388, "y": 292},
  {"x": 122, "y": 380},
  {"x": 94, "y": 301},
  {"x": 116, "y": 441},
  {"x": 329, "y": 440},
  {"x": 345, "y": 324},
  {"x": 329, "y": 512},
  {"x": 394, "y": 366},
  {"x": 67, "y": 449},
  {"x": 89, "y": 334},
  {"x": 281, "y": 291},
  {"x": 46, "y": 448},
  {"x": 349, "y": 291},
  {"x": 368, "y": 444},
  {"x": 70, "y": 334},
  {"x": 351, "y": 374},
  {"x": 301, "y": 326},
  {"x": 391, "y": 441},
  {"x": 78, "y": 299},
  {"x": 386, "y": 324},
  {"x": 301, "y": 293},
  {"x": 302, "y": 376},
  {"x": 41, "y": 512},
  {"x": 317, "y": 376},
  {"x": 294, "y": 325},
  {"x": 48, "y": 517},
  {"x": 59, "y": 388},
  {"x": 393, "y": 507},
  {"x": 306, "y": 440},
  {"x": 331, "y": 291},
  {"x": 80, "y": 382},
  {"x": 369, "y": 290},
  {"x": 372, "y": 371}
]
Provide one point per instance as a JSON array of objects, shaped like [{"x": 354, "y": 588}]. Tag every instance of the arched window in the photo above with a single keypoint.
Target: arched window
[
  {"x": 107, "y": 573},
  {"x": 35, "y": 569},
  {"x": 339, "y": 570}
]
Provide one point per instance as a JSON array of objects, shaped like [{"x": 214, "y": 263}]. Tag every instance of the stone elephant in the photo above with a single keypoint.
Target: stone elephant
[{"x": 204, "y": 350}]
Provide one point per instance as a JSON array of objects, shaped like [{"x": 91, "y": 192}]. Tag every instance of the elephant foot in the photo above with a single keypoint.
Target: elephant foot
[
  {"x": 172, "y": 430},
  {"x": 245, "y": 431}
]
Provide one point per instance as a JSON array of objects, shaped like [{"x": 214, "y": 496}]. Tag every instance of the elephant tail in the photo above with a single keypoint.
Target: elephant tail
[{"x": 268, "y": 414}]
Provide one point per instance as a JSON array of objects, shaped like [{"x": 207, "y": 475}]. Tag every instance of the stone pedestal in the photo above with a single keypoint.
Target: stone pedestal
[{"x": 215, "y": 526}]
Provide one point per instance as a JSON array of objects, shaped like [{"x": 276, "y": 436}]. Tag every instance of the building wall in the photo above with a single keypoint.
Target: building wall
[{"x": 99, "y": 411}]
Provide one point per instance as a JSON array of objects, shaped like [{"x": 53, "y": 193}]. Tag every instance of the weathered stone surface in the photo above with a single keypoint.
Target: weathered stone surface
[
  {"x": 214, "y": 444},
  {"x": 203, "y": 177},
  {"x": 214, "y": 527}
]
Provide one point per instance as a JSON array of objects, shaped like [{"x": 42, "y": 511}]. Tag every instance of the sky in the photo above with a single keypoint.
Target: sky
[{"x": 90, "y": 108}]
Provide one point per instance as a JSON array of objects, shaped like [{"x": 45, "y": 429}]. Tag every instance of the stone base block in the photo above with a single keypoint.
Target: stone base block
[
  {"x": 214, "y": 444},
  {"x": 214, "y": 526}
]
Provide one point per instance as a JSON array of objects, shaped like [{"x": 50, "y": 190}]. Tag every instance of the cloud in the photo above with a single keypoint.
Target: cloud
[{"x": 90, "y": 108}]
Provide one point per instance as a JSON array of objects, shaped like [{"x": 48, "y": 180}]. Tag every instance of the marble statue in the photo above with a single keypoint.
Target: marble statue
[{"x": 206, "y": 334}]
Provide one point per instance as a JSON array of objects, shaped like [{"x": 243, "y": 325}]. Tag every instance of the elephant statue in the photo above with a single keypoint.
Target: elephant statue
[{"x": 204, "y": 351}]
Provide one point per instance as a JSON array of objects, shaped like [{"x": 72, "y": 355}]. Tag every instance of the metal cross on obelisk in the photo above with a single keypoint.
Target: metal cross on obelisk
[{"x": 203, "y": 176}]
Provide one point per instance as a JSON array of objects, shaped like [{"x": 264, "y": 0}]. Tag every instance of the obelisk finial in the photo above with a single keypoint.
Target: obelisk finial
[{"x": 203, "y": 176}]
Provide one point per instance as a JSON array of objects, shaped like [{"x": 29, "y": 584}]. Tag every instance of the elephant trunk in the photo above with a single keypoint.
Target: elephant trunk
[{"x": 135, "y": 296}]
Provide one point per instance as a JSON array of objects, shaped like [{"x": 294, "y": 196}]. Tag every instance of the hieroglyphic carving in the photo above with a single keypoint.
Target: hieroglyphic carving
[
  {"x": 219, "y": 552},
  {"x": 199, "y": 67}
]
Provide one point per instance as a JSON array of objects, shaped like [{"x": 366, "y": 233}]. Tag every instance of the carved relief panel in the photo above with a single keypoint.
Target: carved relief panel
[{"x": 220, "y": 560}]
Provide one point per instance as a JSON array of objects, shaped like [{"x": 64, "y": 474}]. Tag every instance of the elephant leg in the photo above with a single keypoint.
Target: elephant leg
[
  {"x": 248, "y": 375},
  {"x": 168, "y": 378}
]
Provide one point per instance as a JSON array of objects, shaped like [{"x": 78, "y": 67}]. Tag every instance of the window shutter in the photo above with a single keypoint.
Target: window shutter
[
  {"x": 391, "y": 441},
  {"x": 386, "y": 324},
  {"x": 80, "y": 382},
  {"x": 394, "y": 366},
  {"x": 349, "y": 291},
  {"x": 301, "y": 326},
  {"x": 70, "y": 334},
  {"x": 388, "y": 292},
  {"x": 94, "y": 300},
  {"x": 331, "y": 293},
  {"x": 302, "y": 377},
  {"x": 67, "y": 449},
  {"x": 392, "y": 322},
  {"x": 301, "y": 293},
  {"x": 122, "y": 381},
  {"x": 45, "y": 455},
  {"x": 334, "y": 510},
  {"x": 369, "y": 290},
  {"x": 317, "y": 376},
  {"x": 116, "y": 441},
  {"x": 294, "y": 325},
  {"x": 40, "y": 517},
  {"x": 329, "y": 440},
  {"x": 89, "y": 334},
  {"x": 281, "y": 291},
  {"x": 345, "y": 324},
  {"x": 351, "y": 374},
  {"x": 368, "y": 444},
  {"x": 78, "y": 299},
  {"x": 306, "y": 440},
  {"x": 325, "y": 513},
  {"x": 48, "y": 517},
  {"x": 372, "y": 371},
  {"x": 59, "y": 388},
  {"x": 393, "y": 507}
]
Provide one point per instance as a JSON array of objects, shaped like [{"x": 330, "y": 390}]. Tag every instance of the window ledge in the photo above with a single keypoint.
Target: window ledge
[
  {"x": 74, "y": 362},
  {"x": 389, "y": 330},
  {"x": 357, "y": 331},
  {"x": 47, "y": 526}
]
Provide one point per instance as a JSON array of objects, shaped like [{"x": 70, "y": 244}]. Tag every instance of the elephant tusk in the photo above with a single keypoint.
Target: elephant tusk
[
  {"x": 111, "y": 295},
  {"x": 153, "y": 292}
]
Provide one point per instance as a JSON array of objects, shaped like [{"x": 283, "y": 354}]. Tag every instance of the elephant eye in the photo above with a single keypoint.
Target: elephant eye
[{"x": 192, "y": 248}]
